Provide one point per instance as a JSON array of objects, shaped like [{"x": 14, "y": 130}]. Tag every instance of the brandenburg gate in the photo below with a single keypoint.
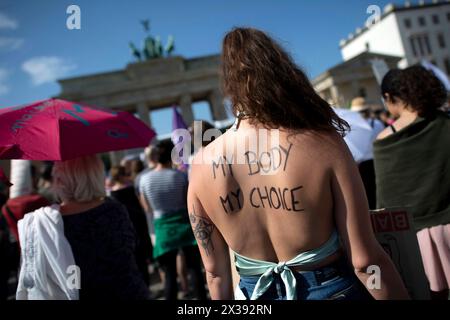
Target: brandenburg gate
[{"x": 150, "y": 85}]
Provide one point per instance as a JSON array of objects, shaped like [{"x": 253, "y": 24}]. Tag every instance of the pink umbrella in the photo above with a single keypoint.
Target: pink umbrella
[{"x": 55, "y": 129}]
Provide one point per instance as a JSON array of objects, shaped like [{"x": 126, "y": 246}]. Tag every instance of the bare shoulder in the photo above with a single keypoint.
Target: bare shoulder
[
  {"x": 196, "y": 165},
  {"x": 205, "y": 154},
  {"x": 385, "y": 133},
  {"x": 326, "y": 146},
  {"x": 203, "y": 158}
]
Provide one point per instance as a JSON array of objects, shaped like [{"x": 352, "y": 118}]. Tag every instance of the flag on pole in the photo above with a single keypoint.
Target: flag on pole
[
  {"x": 437, "y": 72},
  {"x": 379, "y": 68},
  {"x": 177, "y": 119},
  {"x": 180, "y": 138}
]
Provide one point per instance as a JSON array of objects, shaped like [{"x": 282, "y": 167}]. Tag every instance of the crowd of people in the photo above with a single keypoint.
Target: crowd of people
[
  {"x": 129, "y": 222},
  {"x": 124, "y": 226}
]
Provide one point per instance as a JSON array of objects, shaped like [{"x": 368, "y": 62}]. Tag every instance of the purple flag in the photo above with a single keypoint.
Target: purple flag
[
  {"x": 178, "y": 123},
  {"x": 437, "y": 72},
  {"x": 177, "y": 120}
]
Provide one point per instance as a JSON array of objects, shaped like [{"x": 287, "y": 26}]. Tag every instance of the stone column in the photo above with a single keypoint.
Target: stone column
[
  {"x": 186, "y": 109},
  {"x": 356, "y": 86},
  {"x": 217, "y": 106},
  {"x": 116, "y": 157},
  {"x": 143, "y": 112},
  {"x": 335, "y": 95}
]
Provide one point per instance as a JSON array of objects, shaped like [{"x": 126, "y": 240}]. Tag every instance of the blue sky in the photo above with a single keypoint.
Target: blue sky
[{"x": 36, "y": 47}]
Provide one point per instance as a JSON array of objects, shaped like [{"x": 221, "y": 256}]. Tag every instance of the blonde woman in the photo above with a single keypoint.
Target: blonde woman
[{"x": 92, "y": 237}]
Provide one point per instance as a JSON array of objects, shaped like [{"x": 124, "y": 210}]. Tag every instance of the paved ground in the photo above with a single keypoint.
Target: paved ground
[{"x": 156, "y": 287}]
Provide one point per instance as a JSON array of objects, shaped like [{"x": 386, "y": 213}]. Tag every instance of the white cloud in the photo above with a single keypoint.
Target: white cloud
[
  {"x": 4, "y": 89},
  {"x": 7, "y": 22},
  {"x": 7, "y": 43},
  {"x": 46, "y": 69}
]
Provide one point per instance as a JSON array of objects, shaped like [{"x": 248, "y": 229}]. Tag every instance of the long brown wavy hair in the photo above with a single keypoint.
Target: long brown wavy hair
[{"x": 263, "y": 82}]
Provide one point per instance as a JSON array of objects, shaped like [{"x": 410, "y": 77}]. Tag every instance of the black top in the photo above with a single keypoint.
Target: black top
[
  {"x": 393, "y": 128},
  {"x": 103, "y": 242},
  {"x": 127, "y": 197},
  {"x": 3, "y": 199}
]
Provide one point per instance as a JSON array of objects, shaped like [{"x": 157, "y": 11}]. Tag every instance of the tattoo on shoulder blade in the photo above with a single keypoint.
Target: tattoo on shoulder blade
[{"x": 203, "y": 229}]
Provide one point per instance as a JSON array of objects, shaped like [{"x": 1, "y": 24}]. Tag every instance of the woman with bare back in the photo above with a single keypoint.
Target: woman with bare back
[{"x": 281, "y": 189}]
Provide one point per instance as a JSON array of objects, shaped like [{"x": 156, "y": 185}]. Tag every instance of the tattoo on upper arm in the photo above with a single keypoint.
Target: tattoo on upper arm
[{"x": 203, "y": 229}]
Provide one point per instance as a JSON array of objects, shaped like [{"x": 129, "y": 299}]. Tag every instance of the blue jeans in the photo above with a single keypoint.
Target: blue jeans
[{"x": 336, "y": 281}]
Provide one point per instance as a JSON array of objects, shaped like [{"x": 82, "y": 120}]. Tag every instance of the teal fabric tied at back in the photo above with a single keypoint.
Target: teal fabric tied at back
[{"x": 251, "y": 267}]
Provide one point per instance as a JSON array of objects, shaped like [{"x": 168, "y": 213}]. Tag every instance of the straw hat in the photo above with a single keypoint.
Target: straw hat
[{"x": 359, "y": 104}]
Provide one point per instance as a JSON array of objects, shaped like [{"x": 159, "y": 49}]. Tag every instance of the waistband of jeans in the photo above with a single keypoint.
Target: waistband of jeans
[{"x": 323, "y": 274}]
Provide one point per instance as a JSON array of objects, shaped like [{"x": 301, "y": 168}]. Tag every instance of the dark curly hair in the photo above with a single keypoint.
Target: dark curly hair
[
  {"x": 117, "y": 172},
  {"x": 264, "y": 83},
  {"x": 163, "y": 151},
  {"x": 417, "y": 87}
]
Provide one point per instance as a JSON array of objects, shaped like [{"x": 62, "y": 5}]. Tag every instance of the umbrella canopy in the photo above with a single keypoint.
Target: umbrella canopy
[
  {"x": 360, "y": 138},
  {"x": 55, "y": 129}
]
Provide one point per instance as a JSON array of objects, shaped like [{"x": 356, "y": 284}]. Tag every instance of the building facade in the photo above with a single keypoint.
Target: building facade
[
  {"x": 413, "y": 31},
  {"x": 143, "y": 87},
  {"x": 352, "y": 78}
]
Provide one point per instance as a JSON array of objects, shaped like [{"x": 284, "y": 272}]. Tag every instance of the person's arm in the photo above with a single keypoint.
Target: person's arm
[
  {"x": 355, "y": 229},
  {"x": 148, "y": 210},
  {"x": 144, "y": 203},
  {"x": 143, "y": 199},
  {"x": 213, "y": 249}
]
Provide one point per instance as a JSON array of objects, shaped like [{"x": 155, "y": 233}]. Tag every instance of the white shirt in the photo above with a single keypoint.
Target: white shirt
[
  {"x": 377, "y": 127},
  {"x": 47, "y": 262}
]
